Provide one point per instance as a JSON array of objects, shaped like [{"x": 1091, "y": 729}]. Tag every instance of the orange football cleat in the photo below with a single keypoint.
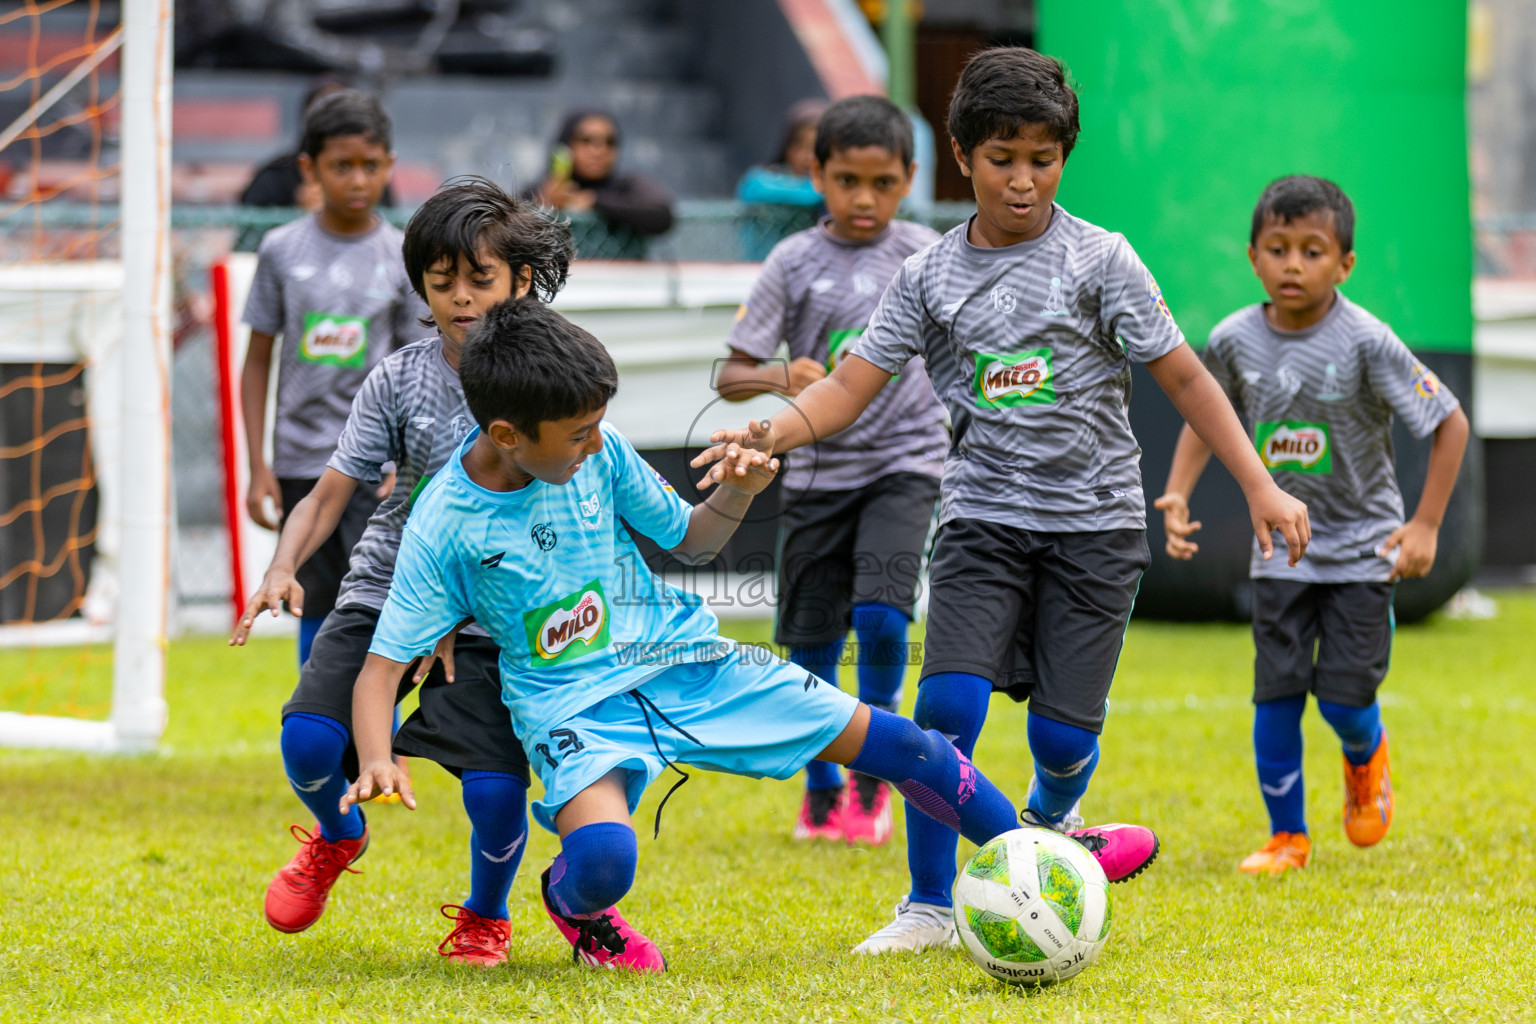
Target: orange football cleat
[
  {"x": 1368, "y": 798},
  {"x": 1283, "y": 852}
]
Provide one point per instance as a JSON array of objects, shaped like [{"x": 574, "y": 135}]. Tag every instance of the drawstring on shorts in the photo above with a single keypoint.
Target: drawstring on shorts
[{"x": 646, "y": 707}]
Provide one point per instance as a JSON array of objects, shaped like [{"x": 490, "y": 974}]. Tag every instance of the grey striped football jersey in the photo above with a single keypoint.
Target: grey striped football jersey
[
  {"x": 410, "y": 411},
  {"x": 1029, "y": 347},
  {"x": 1319, "y": 405},
  {"x": 340, "y": 304},
  {"x": 815, "y": 294}
]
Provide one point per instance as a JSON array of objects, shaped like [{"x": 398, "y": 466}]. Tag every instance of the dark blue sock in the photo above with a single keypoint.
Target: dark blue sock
[
  {"x": 955, "y": 704},
  {"x": 1277, "y": 753},
  {"x": 313, "y": 746},
  {"x": 497, "y": 805},
  {"x": 595, "y": 868},
  {"x": 820, "y": 662},
  {"x": 1359, "y": 729},
  {"x": 927, "y": 769},
  {"x": 882, "y": 633},
  {"x": 309, "y": 625},
  {"x": 1065, "y": 757}
]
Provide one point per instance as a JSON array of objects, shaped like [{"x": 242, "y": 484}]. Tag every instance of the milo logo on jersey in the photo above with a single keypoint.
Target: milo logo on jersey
[
  {"x": 839, "y": 344},
  {"x": 1004, "y": 382},
  {"x": 574, "y": 626},
  {"x": 334, "y": 340},
  {"x": 1292, "y": 447}
]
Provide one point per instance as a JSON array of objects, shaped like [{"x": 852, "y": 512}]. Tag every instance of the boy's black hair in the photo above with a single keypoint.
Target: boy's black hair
[
  {"x": 864, "y": 121},
  {"x": 1003, "y": 89},
  {"x": 344, "y": 112},
  {"x": 1300, "y": 194},
  {"x": 472, "y": 215},
  {"x": 526, "y": 364}
]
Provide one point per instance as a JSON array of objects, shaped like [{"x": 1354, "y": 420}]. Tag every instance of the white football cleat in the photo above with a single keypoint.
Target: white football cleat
[{"x": 918, "y": 926}]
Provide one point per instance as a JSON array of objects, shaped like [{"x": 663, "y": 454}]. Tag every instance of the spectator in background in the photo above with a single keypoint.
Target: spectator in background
[
  {"x": 583, "y": 177},
  {"x": 780, "y": 196}
]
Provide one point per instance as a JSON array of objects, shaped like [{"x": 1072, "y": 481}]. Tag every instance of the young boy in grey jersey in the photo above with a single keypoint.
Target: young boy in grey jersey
[
  {"x": 332, "y": 286},
  {"x": 853, "y": 527},
  {"x": 1319, "y": 380},
  {"x": 1027, "y": 318},
  {"x": 467, "y": 248}
]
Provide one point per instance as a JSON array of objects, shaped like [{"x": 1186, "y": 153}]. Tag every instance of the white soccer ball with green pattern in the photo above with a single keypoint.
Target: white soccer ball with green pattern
[{"x": 1032, "y": 907}]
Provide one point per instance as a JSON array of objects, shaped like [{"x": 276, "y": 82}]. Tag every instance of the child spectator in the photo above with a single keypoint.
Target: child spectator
[
  {"x": 584, "y": 176},
  {"x": 1027, "y": 318},
  {"x": 858, "y": 505},
  {"x": 781, "y": 197},
  {"x": 332, "y": 286},
  {"x": 1319, "y": 379}
]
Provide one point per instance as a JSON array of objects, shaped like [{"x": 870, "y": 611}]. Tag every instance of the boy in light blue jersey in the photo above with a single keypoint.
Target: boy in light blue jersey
[{"x": 610, "y": 675}]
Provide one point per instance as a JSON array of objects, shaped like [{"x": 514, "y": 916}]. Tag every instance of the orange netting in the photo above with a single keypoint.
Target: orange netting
[{"x": 57, "y": 170}]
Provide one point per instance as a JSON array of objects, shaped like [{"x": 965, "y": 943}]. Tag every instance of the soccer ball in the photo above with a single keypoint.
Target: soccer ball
[{"x": 1032, "y": 907}]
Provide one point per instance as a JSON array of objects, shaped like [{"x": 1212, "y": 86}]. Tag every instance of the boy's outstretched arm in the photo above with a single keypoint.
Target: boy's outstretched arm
[
  {"x": 821, "y": 410},
  {"x": 1189, "y": 458},
  {"x": 714, "y": 519},
  {"x": 1419, "y": 537},
  {"x": 309, "y": 524},
  {"x": 373, "y": 714},
  {"x": 1205, "y": 408}
]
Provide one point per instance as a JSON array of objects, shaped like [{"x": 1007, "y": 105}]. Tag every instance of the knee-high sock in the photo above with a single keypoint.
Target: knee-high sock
[
  {"x": 497, "y": 805},
  {"x": 820, "y": 662},
  {"x": 934, "y": 776},
  {"x": 595, "y": 868},
  {"x": 1065, "y": 757},
  {"x": 313, "y": 746},
  {"x": 1359, "y": 729},
  {"x": 1277, "y": 753},
  {"x": 882, "y": 633},
  {"x": 954, "y": 704},
  {"x": 309, "y": 626}
]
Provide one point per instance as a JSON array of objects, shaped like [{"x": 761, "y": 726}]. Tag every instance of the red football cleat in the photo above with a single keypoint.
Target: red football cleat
[
  {"x": 475, "y": 939},
  {"x": 296, "y": 897}
]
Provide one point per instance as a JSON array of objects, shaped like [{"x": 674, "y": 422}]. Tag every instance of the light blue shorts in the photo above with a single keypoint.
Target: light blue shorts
[{"x": 747, "y": 714}]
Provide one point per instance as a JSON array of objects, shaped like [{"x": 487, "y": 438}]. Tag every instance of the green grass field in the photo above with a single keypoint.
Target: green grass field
[{"x": 132, "y": 886}]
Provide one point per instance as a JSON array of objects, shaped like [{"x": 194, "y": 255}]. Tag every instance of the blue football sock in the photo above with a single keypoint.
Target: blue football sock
[
  {"x": 820, "y": 662},
  {"x": 927, "y": 769},
  {"x": 309, "y": 626},
  {"x": 1277, "y": 753},
  {"x": 595, "y": 868},
  {"x": 313, "y": 746},
  {"x": 955, "y": 704},
  {"x": 1065, "y": 757},
  {"x": 1359, "y": 729},
  {"x": 497, "y": 805},
  {"x": 882, "y": 633}
]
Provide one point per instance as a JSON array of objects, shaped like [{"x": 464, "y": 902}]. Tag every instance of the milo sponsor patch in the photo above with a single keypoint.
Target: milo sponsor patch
[
  {"x": 1293, "y": 447},
  {"x": 1004, "y": 382},
  {"x": 839, "y": 344},
  {"x": 572, "y": 627},
  {"x": 331, "y": 339}
]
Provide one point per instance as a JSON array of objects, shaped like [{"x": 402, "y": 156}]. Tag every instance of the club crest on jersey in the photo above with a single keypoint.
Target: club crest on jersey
[
  {"x": 1003, "y": 382},
  {"x": 1425, "y": 383},
  {"x": 334, "y": 340},
  {"x": 1005, "y": 298},
  {"x": 572, "y": 627},
  {"x": 591, "y": 511},
  {"x": 544, "y": 536},
  {"x": 1293, "y": 447}
]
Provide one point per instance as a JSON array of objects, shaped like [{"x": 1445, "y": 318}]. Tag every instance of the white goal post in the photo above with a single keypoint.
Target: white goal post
[{"x": 118, "y": 317}]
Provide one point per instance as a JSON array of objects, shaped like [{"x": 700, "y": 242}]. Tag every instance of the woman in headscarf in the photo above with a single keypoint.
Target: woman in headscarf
[
  {"x": 584, "y": 176},
  {"x": 780, "y": 197}
]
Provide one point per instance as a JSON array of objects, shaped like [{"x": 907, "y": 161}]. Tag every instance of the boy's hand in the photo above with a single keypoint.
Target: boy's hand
[
  {"x": 803, "y": 373},
  {"x": 443, "y": 651},
  {"x": 1177, "y": 526},
  {"x": 734, "y": 451},
  {"x": 759, "y": 473},
  {"x": 276, "y": 587},
  {"x": 1272, "y": 509},
  {"x": 1415, "y": 543},
  {"x": 379, "y": 778},
  {"x": 386, "y": 487},
  {"x": 263, "y": 486}
]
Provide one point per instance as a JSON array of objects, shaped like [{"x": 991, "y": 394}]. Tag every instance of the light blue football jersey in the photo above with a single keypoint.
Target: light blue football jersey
[{"x": 552, "y": 574}]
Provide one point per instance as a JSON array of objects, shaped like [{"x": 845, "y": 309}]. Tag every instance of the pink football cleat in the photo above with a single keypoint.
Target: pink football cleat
[
  {"x": 866, "y": 810},
  {"x": 1123, "y": 851},
  {"x": 604, "y": 939},
  {"x": 821, "y": 815}
]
